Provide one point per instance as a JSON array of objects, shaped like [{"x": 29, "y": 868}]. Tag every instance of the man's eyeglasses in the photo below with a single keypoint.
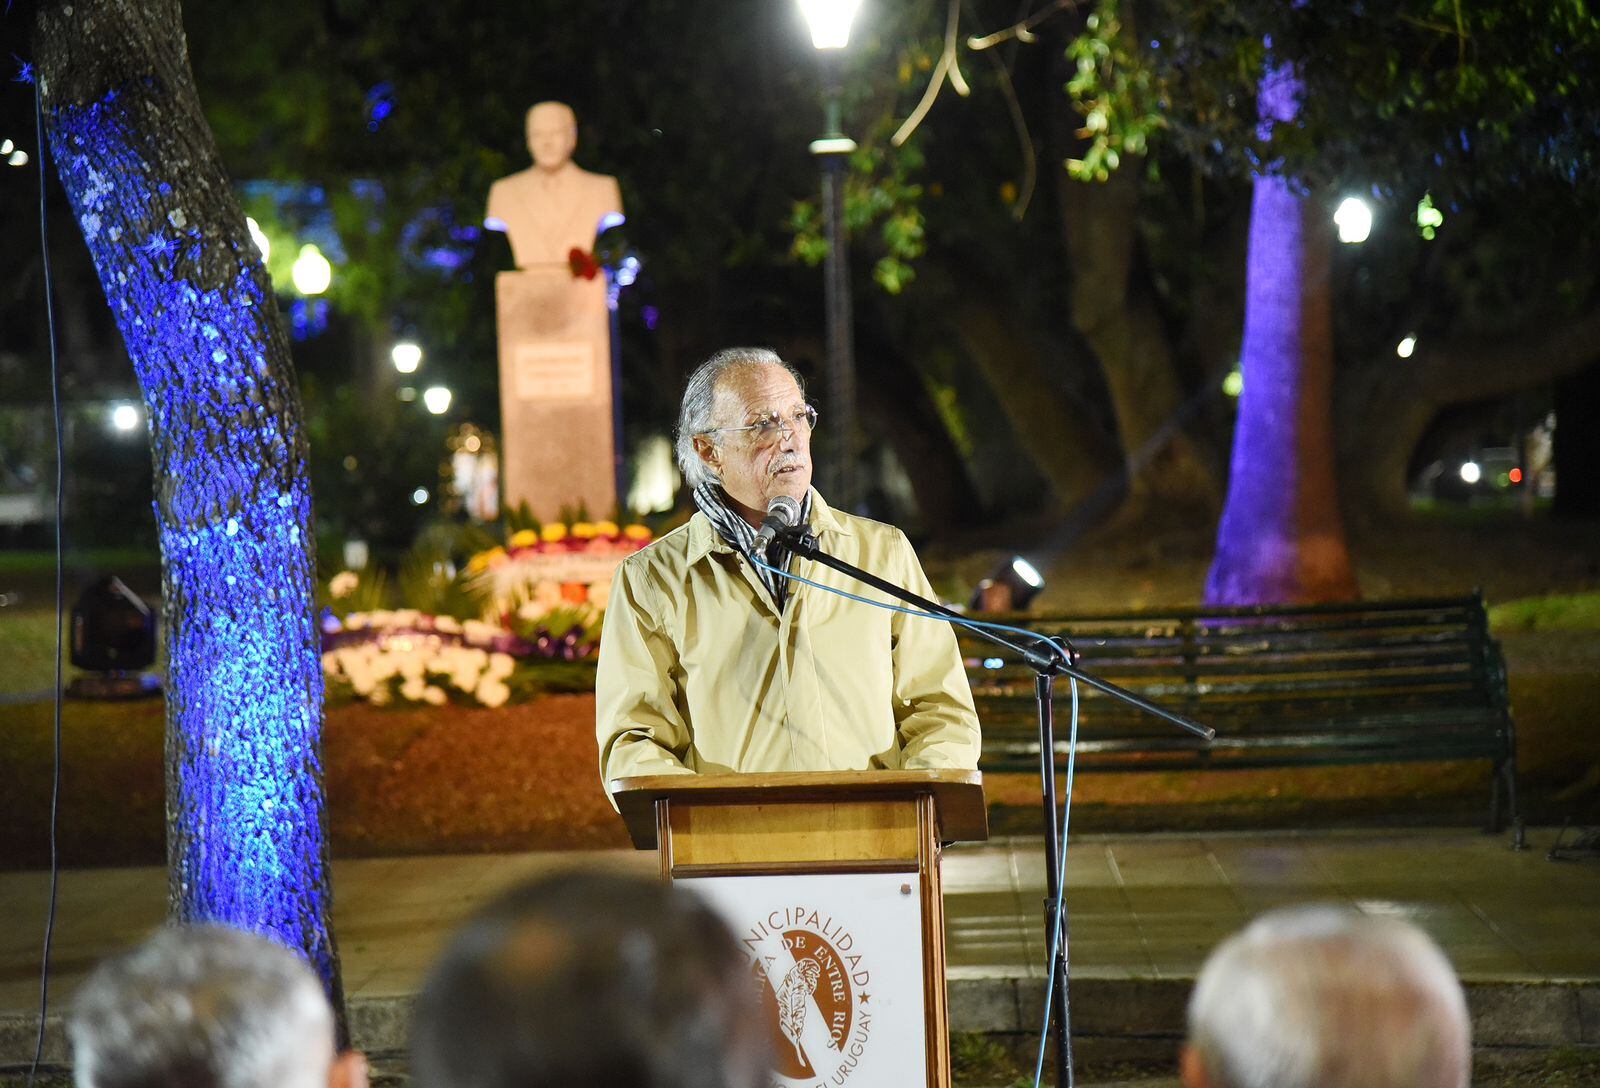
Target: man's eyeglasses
[{"x": 767, "y": 428}]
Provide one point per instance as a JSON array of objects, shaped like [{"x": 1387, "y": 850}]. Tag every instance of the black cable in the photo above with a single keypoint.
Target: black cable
[{"x": 61, "y": 476}]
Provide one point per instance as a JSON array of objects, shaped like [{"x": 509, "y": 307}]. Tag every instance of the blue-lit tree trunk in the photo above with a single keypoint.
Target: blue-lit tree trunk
[
  {"x": 1281, "y": 539},
  {"x": 245, "y": 814}
]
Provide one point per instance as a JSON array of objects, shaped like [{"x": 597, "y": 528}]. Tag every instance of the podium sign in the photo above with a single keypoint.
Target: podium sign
[
  {"x": 838, "y": 957},
  {"x": 830, "y": 883}
]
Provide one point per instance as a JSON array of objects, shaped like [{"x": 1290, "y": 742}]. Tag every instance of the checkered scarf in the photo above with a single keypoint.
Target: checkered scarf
[{"x": 713, "y": 503}]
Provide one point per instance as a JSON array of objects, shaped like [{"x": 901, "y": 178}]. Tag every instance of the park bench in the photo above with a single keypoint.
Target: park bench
[{"x": 1283, "y": 687}]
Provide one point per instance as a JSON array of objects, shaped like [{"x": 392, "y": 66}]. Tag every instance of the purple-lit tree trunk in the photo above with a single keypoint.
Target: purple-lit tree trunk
[
  {"x": 1281, "y": 539},
  {"x": 245, "y": 815}
]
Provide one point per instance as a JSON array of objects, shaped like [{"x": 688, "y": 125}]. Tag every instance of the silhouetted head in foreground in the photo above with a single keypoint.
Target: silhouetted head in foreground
[
  {"x": 591, "y": 980},
  {"x": 207, "y": 1007},
  {"x": 1322, "y": 997}
]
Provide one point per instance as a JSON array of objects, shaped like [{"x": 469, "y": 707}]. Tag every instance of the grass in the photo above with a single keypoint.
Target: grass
[
  {"x": 42, "y": 563},
  {"x": 28, "y": 650},
  {"x": 1557, "y": 612}
]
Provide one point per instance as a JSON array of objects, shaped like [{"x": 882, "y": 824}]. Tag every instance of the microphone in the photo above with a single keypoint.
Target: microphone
[{"x": 782, "y": 513}]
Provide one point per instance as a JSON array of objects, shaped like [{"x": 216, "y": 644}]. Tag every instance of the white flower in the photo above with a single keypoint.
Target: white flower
[
  {"x": 343, "y": 584},
  {"x": 448, "y": 624},
  {"x": 478, "y": 631},
  {"x": 434, "y": 696},
  {"x": 380, "y": 696},
  {"x": 413, "y": 689},
  {"x": 501, "y": 666},
  {"x": 330, "y": 665},
  {"x": 492, "y": 692},
  {"x": 355, "y": 621},
  {"x": 599, "y": 595},
  {"x": 547, "y": 593}
]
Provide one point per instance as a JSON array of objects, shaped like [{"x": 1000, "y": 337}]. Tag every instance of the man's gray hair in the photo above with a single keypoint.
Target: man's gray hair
[
  {"x": 697, "y": 411},
  {"x": 202, "y": 1007},
  {"x": 1322, "y": 997}
]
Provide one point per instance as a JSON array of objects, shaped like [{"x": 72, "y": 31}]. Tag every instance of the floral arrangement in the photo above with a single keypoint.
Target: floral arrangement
[
  {"x": 418, "y": 658},
  {"x": 553, "y": 568},
  {"x": 536, "y": 599}
]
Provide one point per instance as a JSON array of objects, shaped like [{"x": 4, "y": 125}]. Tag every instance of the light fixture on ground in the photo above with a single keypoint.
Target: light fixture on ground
[
  {"x": 124, "y": 417},
  {"x": 1405, "y": 347},
  {"x": 420, "y": 496},
  {"x": 1011, "y": 587},
  {"x": 1471, "y": 472},
  {"x": 436, "y": 398},
  {"x": 1354, "y": 220},
  {"x": 311, "y": 272},
  {"x": 113, "y": 640},
  {"x": 259, "y": 237},
  {"x": 829, "y": 21},
  {"x": 406, "y": 356}
]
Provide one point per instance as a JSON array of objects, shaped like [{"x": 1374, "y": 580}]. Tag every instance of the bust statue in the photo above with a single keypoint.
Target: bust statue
[{"x": 555, "y": 206}]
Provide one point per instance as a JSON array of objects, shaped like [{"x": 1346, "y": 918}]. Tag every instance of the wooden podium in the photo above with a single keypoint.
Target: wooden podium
[{"x": 830, "y": 881}]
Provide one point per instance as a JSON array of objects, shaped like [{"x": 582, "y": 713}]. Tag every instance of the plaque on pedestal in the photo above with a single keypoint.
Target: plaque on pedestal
[{"x": 555, "y": 391}]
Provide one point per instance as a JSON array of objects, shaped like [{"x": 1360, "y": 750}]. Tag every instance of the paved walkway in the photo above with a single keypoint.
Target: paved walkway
[{"x": 1145, "y": 909}]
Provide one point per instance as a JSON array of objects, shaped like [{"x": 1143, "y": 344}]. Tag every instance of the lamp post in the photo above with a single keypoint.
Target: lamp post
[{"x": 830, "y": 21}]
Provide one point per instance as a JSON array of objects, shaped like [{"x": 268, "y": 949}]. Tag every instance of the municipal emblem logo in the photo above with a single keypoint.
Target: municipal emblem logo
[{"x": 815, "y": 986}]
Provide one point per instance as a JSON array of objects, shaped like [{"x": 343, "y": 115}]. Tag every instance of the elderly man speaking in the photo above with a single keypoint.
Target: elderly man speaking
[{"x": 709, "y": 663}]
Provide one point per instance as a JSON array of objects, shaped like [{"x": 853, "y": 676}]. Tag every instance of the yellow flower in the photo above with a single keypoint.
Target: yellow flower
[
  {"x": 496, "y": 557},
  {"x": 583, "y": 530},
  {"x": 605, "y": 528},
  {"x": 527, "y": 538},
  {"x": 478, "y": 563},
  {"x": 553, "y": 532},
  {"x": 637, "y": 532}
]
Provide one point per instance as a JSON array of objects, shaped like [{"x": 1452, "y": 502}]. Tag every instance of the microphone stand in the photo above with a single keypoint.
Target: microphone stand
[{"x": 1046, "y": 664}]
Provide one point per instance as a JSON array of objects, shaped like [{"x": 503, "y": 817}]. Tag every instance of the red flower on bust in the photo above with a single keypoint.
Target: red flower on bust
[{"x": 582, "y": 264}]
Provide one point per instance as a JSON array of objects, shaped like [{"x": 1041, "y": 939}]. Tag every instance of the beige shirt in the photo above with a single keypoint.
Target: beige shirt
[{"x": 699, "y": 672}]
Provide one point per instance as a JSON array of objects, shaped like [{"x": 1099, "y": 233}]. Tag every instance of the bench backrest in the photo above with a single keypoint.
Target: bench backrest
[{"x": 1427, "y": 663}]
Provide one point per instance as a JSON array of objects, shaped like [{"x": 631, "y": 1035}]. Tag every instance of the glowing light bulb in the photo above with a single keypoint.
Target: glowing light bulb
[
  {"x": 1354, "y": 220},
  {"x": 830, "y": 21},
  {"x": 1405, "y": 347},
  {"x": 436, "y": 398},
  {"x": 1471, "y": 472},
  {"x": 407, "y": 356},
  {"x": 1233, "y": 384},
  {"x": 124, "y": 417},
  {"x": 311, "y": 272},
  {"x": 419, "y": 496}
]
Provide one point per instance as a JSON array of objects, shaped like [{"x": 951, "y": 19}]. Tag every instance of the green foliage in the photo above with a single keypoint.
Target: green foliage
[
  {"x": 1120, "y": 97},
  {"x": 880, "y": 191},
  {"x": 518, "y": 517},
  {"x": 368, "y": 454},
  {"x": 370, "y": 592},
  {"x": 429, "y": 580},
  {"x": 1562, "y": 612},
  {"x": 1421, "y": 94}
]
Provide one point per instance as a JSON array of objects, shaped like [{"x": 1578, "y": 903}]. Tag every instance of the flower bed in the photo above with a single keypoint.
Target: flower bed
[{"x": 537, "y": 603}]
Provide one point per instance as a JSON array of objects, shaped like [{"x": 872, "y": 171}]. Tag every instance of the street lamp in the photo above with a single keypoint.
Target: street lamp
[{"x": 829, "y": 21}]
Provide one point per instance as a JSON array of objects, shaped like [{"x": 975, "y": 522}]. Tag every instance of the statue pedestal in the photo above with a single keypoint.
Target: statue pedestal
[{"x": 558, "y": 445}]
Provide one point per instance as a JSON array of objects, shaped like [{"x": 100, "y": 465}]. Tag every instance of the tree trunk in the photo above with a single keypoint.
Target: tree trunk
[
  {"x": 1121, "y": 323},
  {"x": 246, "y": 843},
  {"x": 1118, "y": 318},
  {"x": 896, "y": 404},
  {"x": 1047, "y": 424},
  {"x": 1281, "y": 538},
  {"x": 1392, "y": 404}
]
